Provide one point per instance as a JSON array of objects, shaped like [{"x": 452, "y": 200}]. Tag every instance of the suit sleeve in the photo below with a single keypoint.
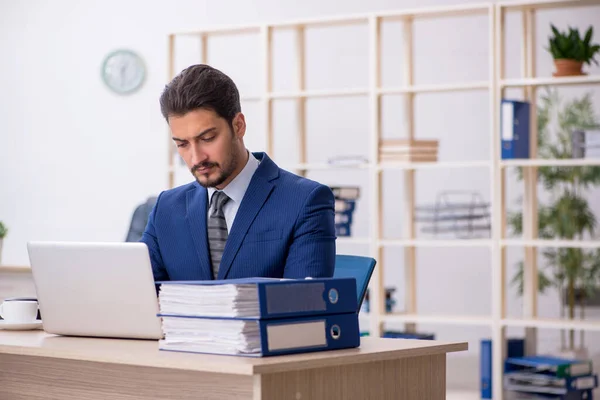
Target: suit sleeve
[
  {"x": 312, "y": 251},
  {"x": 149, "y": 237}
]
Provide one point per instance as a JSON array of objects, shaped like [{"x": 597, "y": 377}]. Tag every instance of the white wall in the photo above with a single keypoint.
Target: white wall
[{"x": 76, "y": 159}]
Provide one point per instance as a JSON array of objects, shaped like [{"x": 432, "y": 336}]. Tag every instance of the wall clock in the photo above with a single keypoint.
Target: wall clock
[{"x": 123, "y": 71}]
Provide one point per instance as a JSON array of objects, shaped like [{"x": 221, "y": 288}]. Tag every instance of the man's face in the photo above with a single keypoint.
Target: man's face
[{"x": 209, "y": 147}]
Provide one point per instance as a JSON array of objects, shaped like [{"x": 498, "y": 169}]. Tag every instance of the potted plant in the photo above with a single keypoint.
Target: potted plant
[
  {"x": 3, "y": 232},
  {"x": 567, "y": 215},
  {"x": 570, "y": 51}
]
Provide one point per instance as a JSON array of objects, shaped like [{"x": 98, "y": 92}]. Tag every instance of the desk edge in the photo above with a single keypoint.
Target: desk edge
[{"x": 333, "y": 360}]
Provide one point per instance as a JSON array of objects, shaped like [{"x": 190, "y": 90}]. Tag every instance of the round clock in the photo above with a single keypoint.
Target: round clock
[{"x": 123, "y": 71}]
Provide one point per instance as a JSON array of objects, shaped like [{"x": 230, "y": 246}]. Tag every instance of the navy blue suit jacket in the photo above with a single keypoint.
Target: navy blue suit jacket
[{"x": 284, "y": 228}]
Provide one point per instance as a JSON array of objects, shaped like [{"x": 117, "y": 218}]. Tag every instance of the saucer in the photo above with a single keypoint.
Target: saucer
[{"x": 20, "y": 326}]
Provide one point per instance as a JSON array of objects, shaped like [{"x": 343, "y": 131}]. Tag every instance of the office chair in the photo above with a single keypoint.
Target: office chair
[
  {"x": 358, "y": 267},
  {"x": 139, "y": 220}
]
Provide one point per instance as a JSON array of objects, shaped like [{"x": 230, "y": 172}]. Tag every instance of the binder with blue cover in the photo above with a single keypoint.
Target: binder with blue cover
[
  {"x": 514, "y": 128},
  {"x": 543, "y": 383},
  {"x": 262, "y": 338},
  {"x": 555, "y": 366},
  {"x": 260, "y": 298}
]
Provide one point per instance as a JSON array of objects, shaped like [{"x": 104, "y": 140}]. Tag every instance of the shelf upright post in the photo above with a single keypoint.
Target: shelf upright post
[
  {"x": 530, "y": 201},
  {"x": 497, "y": 24},
  {"x": 410, "y": 252},
  {"x": 301, "y": 100},
  {"x": 267, "y": 39},
  {"x": 376, "y": 288},
  {"x": 170, "y": 145}
]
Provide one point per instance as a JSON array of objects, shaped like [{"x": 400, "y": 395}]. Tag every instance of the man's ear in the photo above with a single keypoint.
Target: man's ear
[{"x": 239, "y": 125}]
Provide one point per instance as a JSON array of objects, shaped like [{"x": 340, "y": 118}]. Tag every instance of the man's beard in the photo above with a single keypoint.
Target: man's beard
[{"x": 224, "y": 172}]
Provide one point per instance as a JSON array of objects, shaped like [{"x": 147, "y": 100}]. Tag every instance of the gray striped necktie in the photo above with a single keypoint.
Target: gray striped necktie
[{"x": 217, "y": 229}]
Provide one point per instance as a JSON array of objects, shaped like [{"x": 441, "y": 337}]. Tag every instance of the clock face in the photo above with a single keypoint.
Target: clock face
[{"x": 123, "y": 71}]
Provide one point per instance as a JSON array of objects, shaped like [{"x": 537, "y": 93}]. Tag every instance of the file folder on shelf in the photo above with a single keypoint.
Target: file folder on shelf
[
  {"x": 555, "y": 366},
  {"x": 260, "y": 338},
  {"x": 259, "y": 298},
  {"x": 514, "y": 125},
  {"x": 543, "y": 383}
]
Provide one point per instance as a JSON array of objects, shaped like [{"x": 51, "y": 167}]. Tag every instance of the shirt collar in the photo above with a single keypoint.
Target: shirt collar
[{"x": 236, "y": 189}]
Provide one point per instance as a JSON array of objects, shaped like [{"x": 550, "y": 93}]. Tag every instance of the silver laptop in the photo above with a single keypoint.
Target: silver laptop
[{"x": 95, "y": 289}]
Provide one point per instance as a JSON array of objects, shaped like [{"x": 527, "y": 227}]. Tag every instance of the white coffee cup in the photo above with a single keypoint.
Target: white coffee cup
[{"x": 19, "y": 310}]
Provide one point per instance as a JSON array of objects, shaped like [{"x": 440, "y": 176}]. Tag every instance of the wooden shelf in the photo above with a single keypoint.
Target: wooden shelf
[
  {"x": 435, "y": 243},
  {"x": 325, "y": 166},
  {"x": 551, "y": 81},
  {"x": 433, "y": 165},
  {"x": 15, "y": 268},
  {"x": 436, "y": 12},
  {"x": 318, "y": 93},
  {"x": 520, "y": 5},
  {"x": 580, "y": 244},
  {"x": 437, "y": 88},
  {"x": 494, "y": 84},
  {"x": 578, "y": 162},
  {"x": 438, "y": 319},
  {"x": 552, "y": 323}
]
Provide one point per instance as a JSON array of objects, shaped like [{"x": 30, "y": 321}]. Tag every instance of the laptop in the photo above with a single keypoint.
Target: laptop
[{"x": 95, "y": 289}]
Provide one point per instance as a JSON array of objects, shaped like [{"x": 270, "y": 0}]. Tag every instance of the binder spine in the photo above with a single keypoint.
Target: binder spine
[
  {"x": 309, "y": 334},
  {"x": 309, "y": 297}
]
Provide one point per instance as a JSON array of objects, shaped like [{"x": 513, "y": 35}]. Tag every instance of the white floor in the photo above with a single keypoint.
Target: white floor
[{"x": 462, "y": 395}]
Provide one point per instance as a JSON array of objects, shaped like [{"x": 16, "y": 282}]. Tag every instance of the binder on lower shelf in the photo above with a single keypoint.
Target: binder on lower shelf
[
  {"x": 555, "y": 366},
  {"x": 260, "y": 338},
  {"x": 576, "y": 395},
  {"x": 548, "y": 384}
]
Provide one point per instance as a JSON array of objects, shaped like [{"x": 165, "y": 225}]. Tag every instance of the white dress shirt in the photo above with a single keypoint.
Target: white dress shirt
[{"x": 236, "y": 189}]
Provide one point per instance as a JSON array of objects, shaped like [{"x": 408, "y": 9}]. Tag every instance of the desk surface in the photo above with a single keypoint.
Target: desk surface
[{"x": 146, "y": 353}]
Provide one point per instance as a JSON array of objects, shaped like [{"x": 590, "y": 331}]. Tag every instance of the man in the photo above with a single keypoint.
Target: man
[{"x": 243, "y": 216}]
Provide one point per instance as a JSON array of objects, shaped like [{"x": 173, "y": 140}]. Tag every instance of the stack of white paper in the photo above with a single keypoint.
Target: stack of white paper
[
  {"x": 218, "y": 336},
  {"x": 232, "y": 301}
]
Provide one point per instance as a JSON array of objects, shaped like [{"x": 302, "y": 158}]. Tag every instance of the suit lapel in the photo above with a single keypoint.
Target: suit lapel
[
  {"x": 257, "y": 193},
  {"x": 196, "y": 219}
]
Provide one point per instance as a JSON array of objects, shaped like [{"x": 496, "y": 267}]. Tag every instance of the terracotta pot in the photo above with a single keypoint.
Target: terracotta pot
[{"x": 567, "y": 67}]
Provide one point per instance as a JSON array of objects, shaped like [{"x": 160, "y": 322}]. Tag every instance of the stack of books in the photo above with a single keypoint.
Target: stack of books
[
  {"x": 546, "y": 377},
  {"x": 345, "y": 205},
  {"x": 408, "y": 150},
  {"x": 259, "y": 316}
]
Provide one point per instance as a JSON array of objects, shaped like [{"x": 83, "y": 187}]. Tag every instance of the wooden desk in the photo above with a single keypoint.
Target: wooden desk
[{"x": 35, "y": 365}]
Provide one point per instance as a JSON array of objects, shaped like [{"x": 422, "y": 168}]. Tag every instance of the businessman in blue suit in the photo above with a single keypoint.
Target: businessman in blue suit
[{"x": 243, "y": 216}]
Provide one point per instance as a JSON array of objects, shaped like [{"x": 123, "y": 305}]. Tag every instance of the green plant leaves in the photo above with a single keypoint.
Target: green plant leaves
[
  {"x": 570, "y": 45},
  {"x": 567, "y": 215}
]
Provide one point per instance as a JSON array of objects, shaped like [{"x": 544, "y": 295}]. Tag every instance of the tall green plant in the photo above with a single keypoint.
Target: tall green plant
[
  {"x": 3, "y": 230},
  {"x": 567, "y": 215}
]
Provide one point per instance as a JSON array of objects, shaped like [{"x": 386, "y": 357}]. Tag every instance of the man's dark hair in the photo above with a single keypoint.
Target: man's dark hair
[{"x": 201, "y": 86}]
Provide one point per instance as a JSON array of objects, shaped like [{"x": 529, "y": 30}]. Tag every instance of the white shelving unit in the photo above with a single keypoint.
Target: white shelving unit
[{"x": 495, "y": 85}]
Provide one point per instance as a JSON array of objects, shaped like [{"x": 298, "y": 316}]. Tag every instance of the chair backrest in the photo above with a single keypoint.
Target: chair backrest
[
  {"x": 358, "y": 267},
  {"x": 140, "y": 219}
]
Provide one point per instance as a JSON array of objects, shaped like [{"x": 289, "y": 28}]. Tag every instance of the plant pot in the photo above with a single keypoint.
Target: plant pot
[
  {"x": 1, "y": 239},
  {"x": 567, "y": 67}
]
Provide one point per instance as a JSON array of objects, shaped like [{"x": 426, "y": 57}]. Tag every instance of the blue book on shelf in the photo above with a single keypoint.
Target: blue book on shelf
[
  {"x": 264, "y": 298},
  {"x": 344, "y": 205},
  {"x": 343, "y": 217},
  {"x": 515, "y": 348},
  {"x": 343, "y": 229},
  {"x": 514, "y": 129},
  {"x": 266, "y": 337}
]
